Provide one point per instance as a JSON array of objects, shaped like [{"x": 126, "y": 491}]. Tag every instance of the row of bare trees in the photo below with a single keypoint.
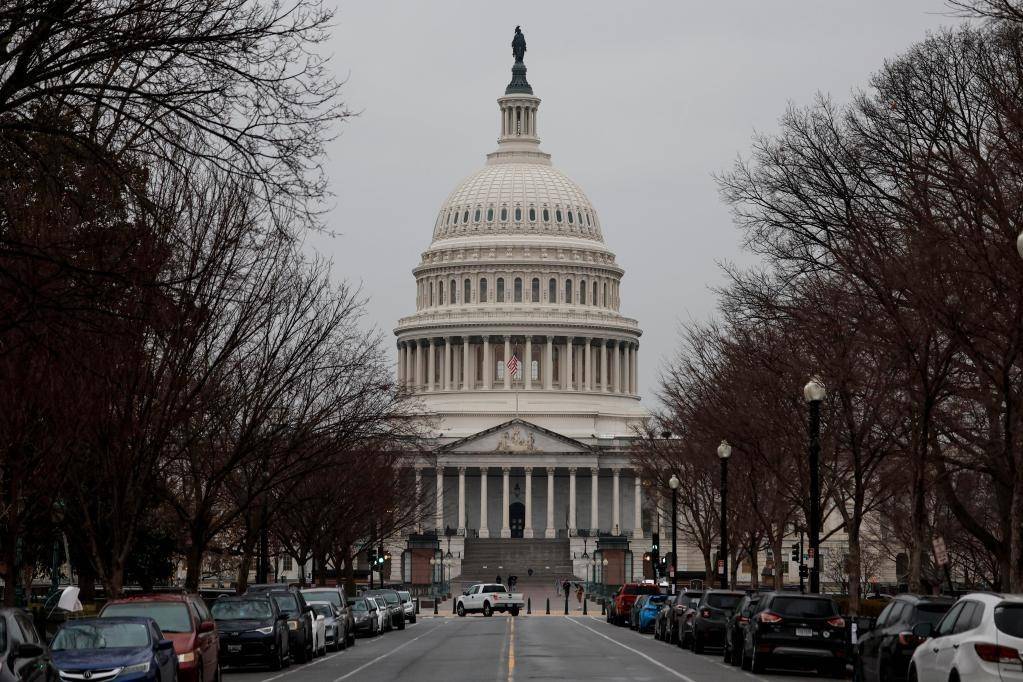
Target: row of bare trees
[
  {"x": 172, "y": 359},
  {"x": 887, "y": 230}
]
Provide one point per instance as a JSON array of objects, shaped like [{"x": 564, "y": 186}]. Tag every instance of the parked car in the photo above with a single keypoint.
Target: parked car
[
  {"x": 390, "y": 599},
  {"x": 636, "y": 608},
  {"x": 735, "y": 628},
  {"x": 647, "y": 615},
  {"x": 712, "y": 613},
  {"x": 409, "y": 605},
  {"x": 319, "y": 633},
  {"x": 300, "y": 621},
  {"x": 383, "y": 612},
  {"x": 883, "y": 650},
  {"x": 795, "y": 629},
  {"x": 331, "y": 624},
  {"x": 625, "y": 597},
  {"x": 487, "y": 598},
  {"x": 22, "y": 650},
  {"x": 183, "y": 619},
  {"x": 979, "y": 639},
  {"x": 252, "y": 629},
  {"x": 684, "y": 618},
  {"x": 368, "y": 617},
  {"x": 672, "y": 614},
  {"x": 102, "y": 649},
  {"x": 336, "y": 596}
]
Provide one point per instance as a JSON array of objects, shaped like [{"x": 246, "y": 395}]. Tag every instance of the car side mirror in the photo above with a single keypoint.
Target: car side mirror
[
  {"x": 207, "y": 626},
  {"x": 165, "y": 645},
  {"x": 923, "y": 630},
  {"x": 29, "y": 650}
]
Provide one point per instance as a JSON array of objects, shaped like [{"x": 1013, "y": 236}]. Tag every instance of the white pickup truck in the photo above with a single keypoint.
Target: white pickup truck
[{"x": 487, "y": 598}]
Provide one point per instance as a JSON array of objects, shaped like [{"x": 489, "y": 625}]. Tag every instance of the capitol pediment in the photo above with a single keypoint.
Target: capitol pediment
[{"x": 517, "y": 436}]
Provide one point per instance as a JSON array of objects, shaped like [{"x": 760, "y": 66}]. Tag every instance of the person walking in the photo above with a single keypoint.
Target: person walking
[
  {"x": 498, "y": 579},
  {"x": 579, "y": 594}
]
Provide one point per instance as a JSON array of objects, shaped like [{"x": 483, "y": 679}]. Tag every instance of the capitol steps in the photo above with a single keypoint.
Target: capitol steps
[{"x": 485, "y": 559}]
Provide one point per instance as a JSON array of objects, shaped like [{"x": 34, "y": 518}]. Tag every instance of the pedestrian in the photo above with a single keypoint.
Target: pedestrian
[
  {"x": 498, "y": 579},
  {"x": 579, "y": 594}
]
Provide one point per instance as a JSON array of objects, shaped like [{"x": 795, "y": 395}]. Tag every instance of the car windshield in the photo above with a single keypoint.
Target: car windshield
[
  {"x": 360, "y": 605},
  {"x": 287, "y": 603},
  {"x": 1009, "y": 619},
  {"x": 333, "y": 596},
  {"x": 723, "y": 601},
  {"x": 170, "y": 616},
  {"x": 248, "y": 609},
  {"x": 931, "y": 613},
  {"x": 323, "y": 610},
  {"x": 405, "y": 596},
  {"x": 389, "y": 597},
  {"x": 99, "y": 635},
  {"x": 796, "y": 607}
]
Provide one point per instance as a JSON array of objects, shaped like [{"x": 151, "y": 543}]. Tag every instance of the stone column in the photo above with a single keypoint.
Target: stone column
[
  {"x": 588, "y": 367},
  {"x": 616, "y": 367},
  {"x": 506, "y": 523},
  {"x": 461, "y": 501},
  {"x": 548, "y": 365},
  {"x": 431, "y": 368},
  {"x": 550, "y": 532},
  {"x": 594, "y": 490},
  {"x": 637, "y": 530},
  {"x": 448, "y": 368},
  {"x": 571, "y": 502},
  {"x": 627, "y": 367},
  {"x": 440, "y": 500},
  {"x": 484, "y": 524},
  {"x": 467, "y": 378},
  {"x": 401, "y": 364},
  {"x": 527, "y": 363},
  {"x": 507, "y": 356},
  {"x": 527, "y": 530},
  {"x": 603, "y": 366},
  {"x": 410, "y": 367},
  {"x": 616, "y": 517},
  {"x": 488, "y": 364},
  {"x": 568, "y": 363}
]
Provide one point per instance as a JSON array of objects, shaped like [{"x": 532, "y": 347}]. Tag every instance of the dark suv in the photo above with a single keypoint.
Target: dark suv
[
  {"x": 252, "y": 630},
  {"x": 712, "y": 614},
  {"x": 300, "y": 617},
  {"x": 883, "y": 651},
  {"x": 798, "y": 629},
  {"x": 735, "y": 628}
]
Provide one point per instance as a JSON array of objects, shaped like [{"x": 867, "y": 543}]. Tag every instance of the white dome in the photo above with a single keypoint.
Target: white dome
[{"x": 518, "y": 198}]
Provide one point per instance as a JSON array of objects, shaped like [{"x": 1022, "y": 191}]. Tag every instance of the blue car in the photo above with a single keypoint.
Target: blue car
[
  {"x": 100, "y": 649},
  {"x": 648, "y": 614}
]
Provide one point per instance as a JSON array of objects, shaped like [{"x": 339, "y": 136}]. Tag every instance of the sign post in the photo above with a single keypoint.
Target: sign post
[{"x": 941, "y": 559}]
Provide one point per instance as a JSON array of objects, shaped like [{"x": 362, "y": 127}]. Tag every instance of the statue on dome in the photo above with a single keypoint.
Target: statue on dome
[{"x": 518, "y": 45}]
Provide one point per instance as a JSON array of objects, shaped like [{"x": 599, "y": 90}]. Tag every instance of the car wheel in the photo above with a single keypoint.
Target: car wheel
[
  {"x": 219, "y": 674},
  {"x": 838, "y": 670},
  {"x": 759, "y": 662},
  {"x": 736, "y": 655},
  {"x": 487, "y": 610},
  {"x": 744, "y": 662},
  {"x": 401, "y": 622},
  {"x": 461, "y": 611},
  {"x": 515, "y": 611},
  {"x": 912, "y": 674},
  {"x": 697, "y": 644},
  {"x": 350, "y": 637}
]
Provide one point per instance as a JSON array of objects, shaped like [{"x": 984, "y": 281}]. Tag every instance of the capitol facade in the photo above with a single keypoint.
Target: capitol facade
[{"x": 519, "y": 353}]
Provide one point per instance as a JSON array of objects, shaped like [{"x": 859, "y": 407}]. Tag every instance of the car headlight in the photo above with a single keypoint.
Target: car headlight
[
  {"x": 187, "y": 657},
  {"x": 137, "y": 668},
  {"x": 265, "y": 631},
  {"x": 293, "y": 625}
]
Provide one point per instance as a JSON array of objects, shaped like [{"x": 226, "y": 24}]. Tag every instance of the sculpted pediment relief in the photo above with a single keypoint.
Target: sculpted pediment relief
[{"x": 520, "y": 437}]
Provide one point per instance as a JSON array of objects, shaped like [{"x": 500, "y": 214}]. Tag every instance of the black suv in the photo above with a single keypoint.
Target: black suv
[
  {"x": 884, "y": 650},
  {"x": 300, "y": 617},
  {"x": 801, "y": 629},
  {"x": 393, "y": 604},
  {"x": 735, "y": 628},
  {"x": 22, "y": 650},
  {"x": 712, "y": 614},
  {"x": 252, "y": 630}
]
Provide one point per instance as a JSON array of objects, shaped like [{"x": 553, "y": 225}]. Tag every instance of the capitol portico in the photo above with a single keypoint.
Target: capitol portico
[{"x": 519, "y": 352}]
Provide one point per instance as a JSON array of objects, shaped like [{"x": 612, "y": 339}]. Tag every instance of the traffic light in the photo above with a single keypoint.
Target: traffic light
[
  {"x": 804, "y": 571},
  {"x": 655, "y": 544},
  {"x": 371, "y": 558},
  {"x": 795, "y": 554}
]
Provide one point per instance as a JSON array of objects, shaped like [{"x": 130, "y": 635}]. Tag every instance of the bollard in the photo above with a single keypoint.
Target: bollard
[
  {"x": 435, "y": 600},
  {"x": 529, "y": 605},
  {"x": 603, "y": 608},
  {"x": 454, "y": 603},
  {"x": 417, "y": 606},
  {"x": 566, "y": 602},
  {"x": 548, "y": 606},
  {"x": 585, "y": 599}
]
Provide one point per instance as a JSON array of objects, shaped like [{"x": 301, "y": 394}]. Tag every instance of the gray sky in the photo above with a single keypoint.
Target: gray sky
[{"x": 642, "y": 102}]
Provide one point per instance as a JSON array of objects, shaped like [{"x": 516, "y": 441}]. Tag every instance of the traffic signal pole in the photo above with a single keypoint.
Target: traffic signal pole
[{"x": 802, "y": 566}]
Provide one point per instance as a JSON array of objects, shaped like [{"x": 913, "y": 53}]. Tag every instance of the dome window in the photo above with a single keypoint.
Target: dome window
[
  {"x": 465, "y": 216},
  {"x": 500, "y": 290},
  {"x": 588, "y": 224},
  {"x": 440, "y": 293},
  {"x": 582, "y": 292},
  {"x": 483, "y": 290},
  {"x": 593, "y": 300},
  {"x": 518, "y": 214},
  {"x": 504, "y": 214},
  {"x": 546, "y": 216},
  {"x": 449, "y": 217},
  {"x": 490, "y": 215},
  {"x": 476, "y": 218},
  {"x": 454, "y": 218},
  {"x": 452, "y": 290},
  {"x": 557, "y": 215},
  {"x": 568, "y": 291},
  {"x": 552, "y": 291},
  {"x": 570, "y": 220},
  {"x": 605, "y": 295},
  {"x": 532, "y": 214},
  {"x": 518, "y": 290},
  {"x": 467, "y": 291},
  {"x": 535, "y": 290}
]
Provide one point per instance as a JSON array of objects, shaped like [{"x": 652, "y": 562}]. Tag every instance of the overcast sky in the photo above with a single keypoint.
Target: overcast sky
[{"x": 642, "y": 103}]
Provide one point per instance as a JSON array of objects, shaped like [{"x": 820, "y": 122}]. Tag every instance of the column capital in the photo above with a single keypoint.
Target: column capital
[
  {"x": 484, "y": 470},
  {"x": 589, "y": 339},
  {"x": 572, "y": 470},
  {"x": 595, "y": 471},
  {"x": 550, "y": 339},
  {"x": 447, "y": 339},
  {"x": 506, "y": 470},
  {"x": 528, "y": 470},
  {"x": 616, "y": 470},
  {"x": 465, "y": 339},
  {"x": 550, "y": 471},
  {"x": 461, "y": 471}
]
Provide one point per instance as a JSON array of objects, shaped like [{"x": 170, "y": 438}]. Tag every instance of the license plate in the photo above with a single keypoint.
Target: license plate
[
  {"x": 804, "y": 632},
  {"x": 234, "y": 648}
]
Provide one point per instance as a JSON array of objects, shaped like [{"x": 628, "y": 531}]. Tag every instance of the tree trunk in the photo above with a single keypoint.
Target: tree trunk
[
  {"x": 854, "y": 568},
  {"x": 777, "y": 549},
  {"x": 918, "y": 530},
  {"x": 708, "y": 569},
  {"x": 754, "y": 569},
  {"x": 244, "y": 565},
  {"x": 320, "y": 578},
  {"x": 346, "y": 556},
  {"x": 86, "y": 583},
  {"x": 193, "y": 566}
]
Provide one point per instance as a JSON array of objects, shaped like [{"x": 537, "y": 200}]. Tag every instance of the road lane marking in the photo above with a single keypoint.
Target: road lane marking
[
  {"x": 511, "y": 652},
  {"x": 392, "y": 651},
  {"x": 635, "y": 651},
  {"x": 303, "y": 666}
]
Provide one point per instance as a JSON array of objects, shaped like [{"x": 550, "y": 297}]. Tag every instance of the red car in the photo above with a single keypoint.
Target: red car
[
  {"x": 621, "y": 605},
  {"x": 186, "y": 621}
]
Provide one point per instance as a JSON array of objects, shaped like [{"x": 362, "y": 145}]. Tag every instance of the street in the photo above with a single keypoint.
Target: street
[{"x": 505, "y": 648}]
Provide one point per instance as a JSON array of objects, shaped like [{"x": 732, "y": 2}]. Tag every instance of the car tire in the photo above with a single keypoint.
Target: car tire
[
  {"x": 912, "y": 674},
  {"x": 744, "y": 662},
  {"x": 351, "y": 635},
  {"x": 697, "y": 644},
  {"x": 514, "y": 611},
  {"x": 460, "y": 610},
  {"x": 838, "y": 670},
  {"x": 759, "y": 663},
  {"x": 487, "y": 610},
  {"x": 736, "y": 658},
  {"x": 401, "y": 623}
]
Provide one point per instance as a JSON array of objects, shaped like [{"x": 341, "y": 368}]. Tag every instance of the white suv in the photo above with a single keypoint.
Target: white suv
[{"x": 980, "y": 638}]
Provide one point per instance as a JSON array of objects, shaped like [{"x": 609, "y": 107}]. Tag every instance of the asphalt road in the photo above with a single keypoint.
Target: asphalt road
[{"x": 507, "y": 649}]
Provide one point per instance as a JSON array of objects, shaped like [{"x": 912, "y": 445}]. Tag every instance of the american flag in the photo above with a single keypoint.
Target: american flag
[{"x": 513, "y": 365}]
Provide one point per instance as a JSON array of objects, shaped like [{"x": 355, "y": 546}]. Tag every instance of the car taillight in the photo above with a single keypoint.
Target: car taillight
[
  {"x": 836, "y": 622},
  {"x": 743, "y": 619},
  {"x": 769, "y": 617},
  {"x": 993, "y": 653},
  {"x": 705, "y": 613},
  {"x": 907, "y": 638}
]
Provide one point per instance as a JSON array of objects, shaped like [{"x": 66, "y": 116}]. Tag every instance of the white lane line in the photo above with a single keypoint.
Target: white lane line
[
  {"x": 303, "y": 667},
  {"x": 635, "y": 651},
  {"x": 392, "y": 651}
]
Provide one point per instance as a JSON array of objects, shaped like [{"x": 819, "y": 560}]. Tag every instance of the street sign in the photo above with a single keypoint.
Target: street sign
[
  {"x": 940, "y": 551},
  {"x": 721, "y": 565},
  {"x": 811, "y": 556}
]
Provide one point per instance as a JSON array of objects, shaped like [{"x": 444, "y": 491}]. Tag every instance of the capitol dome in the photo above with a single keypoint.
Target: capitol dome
[{"x": 518, "y": 298}]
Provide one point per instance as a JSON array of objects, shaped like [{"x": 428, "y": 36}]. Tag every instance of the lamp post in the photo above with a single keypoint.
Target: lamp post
[
  {"x": 814, "y": 393},
  {"x": 724, "y": 452},
  {"x": 673, "y": 483},
  {"x": 603, "y": 576}
]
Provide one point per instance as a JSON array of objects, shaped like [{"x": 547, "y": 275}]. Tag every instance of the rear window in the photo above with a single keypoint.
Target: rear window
[
  {"x": 171, "y": 617},
  {"x": 648, "y": 589},
  {"x": 498, "y": 589},
  {"x": 333, "y": 596},
  {"x": 657, "y": 599},
  {"x": 1009, "y": 619},
  {"x": 724, "y": 601},
  {"x": 323, "y": 610},
  {"x": 803, "y": 608},
  {"x": 247, "y": 609},
  {"x": 930, "y": 613},
  {"x": 286, "y": 603}
]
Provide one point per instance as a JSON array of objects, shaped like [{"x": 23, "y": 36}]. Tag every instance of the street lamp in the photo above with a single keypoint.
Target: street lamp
[
  {"x": 814, "y": 393},
  {"x": 604, "y": 575},
  {"x": 673, "y": 483},
  {"x": 724, "y": 452}
]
